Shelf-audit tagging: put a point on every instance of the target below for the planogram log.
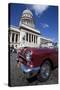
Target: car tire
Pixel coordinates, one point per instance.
(45, 71)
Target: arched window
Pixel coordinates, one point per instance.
(36, 39)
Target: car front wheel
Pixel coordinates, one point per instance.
(45, 71)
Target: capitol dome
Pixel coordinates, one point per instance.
(27, 11)
(27, 18)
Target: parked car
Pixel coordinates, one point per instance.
(37, 62)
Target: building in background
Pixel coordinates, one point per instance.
(26, 34)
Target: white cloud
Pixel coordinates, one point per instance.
(39, 9)
(45, 26)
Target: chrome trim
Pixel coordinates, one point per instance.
(26, 69)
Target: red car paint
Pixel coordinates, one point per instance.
(39, 55)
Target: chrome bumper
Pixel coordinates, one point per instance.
(29, 72)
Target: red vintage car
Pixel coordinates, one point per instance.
(37, 62)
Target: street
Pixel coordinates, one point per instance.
(17, 79)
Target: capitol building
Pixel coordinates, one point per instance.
(26, 35)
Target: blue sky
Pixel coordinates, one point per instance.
(45, 17)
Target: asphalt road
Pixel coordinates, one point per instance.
(17, 78)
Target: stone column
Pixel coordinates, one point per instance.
(35, 39)
(18, 38)
(25, 37)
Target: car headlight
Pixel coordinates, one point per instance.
(28, 55)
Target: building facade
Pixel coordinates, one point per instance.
(26, 35)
